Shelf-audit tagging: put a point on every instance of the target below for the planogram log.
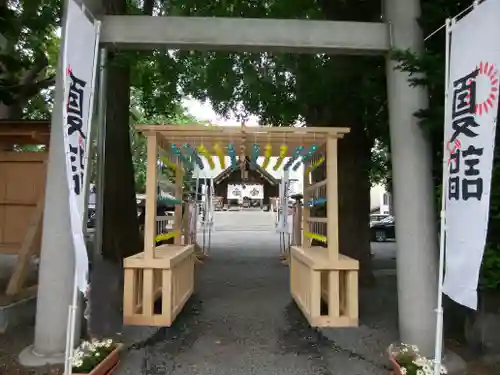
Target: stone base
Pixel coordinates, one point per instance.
(17, 313)
(29, 358)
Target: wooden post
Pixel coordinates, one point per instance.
(332, 211)
(186, 224)
(151, 197)
(178, 208)
(306, 212)
(297, 224)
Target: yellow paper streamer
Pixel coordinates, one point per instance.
(315, 165)
(283, 152)
(316, 236)
(166, 236)
(203, 151)
(169, 163)
(267, 154)
(220, 154)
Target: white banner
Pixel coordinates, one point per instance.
(469, 144)
(81, 37)
(240, 191)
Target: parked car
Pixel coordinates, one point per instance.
(383, 230)
(374, 218)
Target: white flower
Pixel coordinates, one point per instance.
(420, 372)
(427, 369)
(443, 370)
(403, 370)
(77, 363)
(420, 361)
(414, 348)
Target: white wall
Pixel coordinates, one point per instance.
(377, 199)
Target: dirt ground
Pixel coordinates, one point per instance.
(242, 322)
(11, 345)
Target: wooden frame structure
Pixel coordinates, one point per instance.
(22, 190)
(167, 271)
(321, 273)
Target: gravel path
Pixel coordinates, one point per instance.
(242, 319)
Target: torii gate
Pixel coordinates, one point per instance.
(410, 151)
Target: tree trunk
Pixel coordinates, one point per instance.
(354, 200)
(121, 228)
(353, 160)
(120, 224)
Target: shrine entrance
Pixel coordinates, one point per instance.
(316, 273)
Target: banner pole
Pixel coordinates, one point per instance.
(438, 353)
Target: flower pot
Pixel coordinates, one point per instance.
(106, 366)
(396, 369)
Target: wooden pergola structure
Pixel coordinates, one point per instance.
(316, 273)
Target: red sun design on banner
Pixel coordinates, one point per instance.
(487, 87)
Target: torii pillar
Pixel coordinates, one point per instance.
(413, 187)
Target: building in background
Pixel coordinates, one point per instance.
(380, 200)
(267, 179)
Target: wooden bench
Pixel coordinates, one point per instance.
(169, 275)
(315, 277)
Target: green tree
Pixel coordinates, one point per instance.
(318, 90)
(139, 143)
(429, 69)
(28, 59)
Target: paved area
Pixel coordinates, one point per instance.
(242, 319)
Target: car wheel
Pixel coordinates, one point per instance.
(380, 236)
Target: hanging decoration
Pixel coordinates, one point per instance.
(194, 156)
(185, 161)
(315, 165)
(296, 154)
(169, 163)
(232, 154)
(220, 154)
(315, 202)
(316, 236)
(267, 155)
(202, 150)
(168, 200)
(254, 156)
(279, 161)
(308, 155)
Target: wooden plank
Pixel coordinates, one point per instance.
(23, 157)
(148, 293)
(315, 293)
(129, 291)
(352, 295)
(151, 197)
(9, 248)
(306, 211)
(333, 294)
(179, 176)
(166, 297)
(317, 185)
(332, 208)
(238, 130)
(317, 220)
(26, 251)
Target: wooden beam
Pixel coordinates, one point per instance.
(18, 277)
(151, 197)
(332, 208)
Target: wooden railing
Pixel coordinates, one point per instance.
(169, 276)
(313, 279)
(318, 272)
